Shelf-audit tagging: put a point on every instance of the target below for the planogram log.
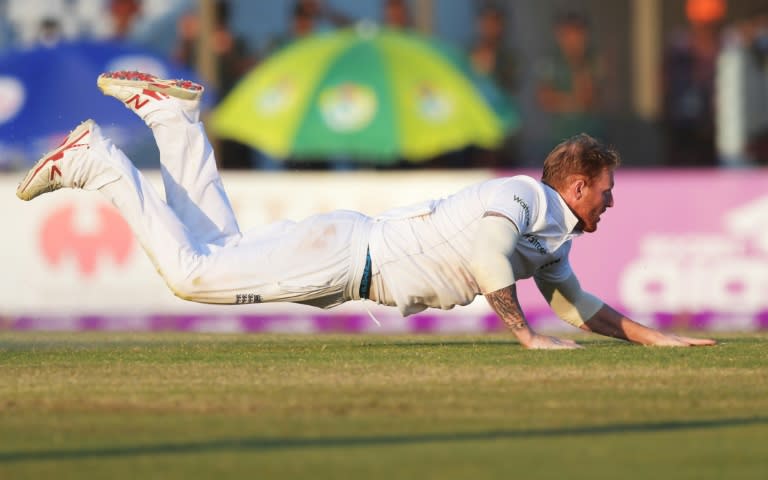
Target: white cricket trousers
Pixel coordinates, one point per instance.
(194, 241)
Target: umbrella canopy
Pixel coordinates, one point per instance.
(47, 91)
(375, 95)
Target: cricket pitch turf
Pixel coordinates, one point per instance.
(171, 405)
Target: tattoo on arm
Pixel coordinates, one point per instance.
(504, 303)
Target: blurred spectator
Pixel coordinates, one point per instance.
(307, 17)
(688, 86)
(140, 21)
(123, 15)
(493, 58)
(742, 92)
(49, 34)
(568, 81)
(757, 100)
(325, 17)
(150, 23)
(490, 54)
(233, 60)
(396, 14)
(302, 23)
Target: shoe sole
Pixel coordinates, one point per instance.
(74, 136)
(181, 89)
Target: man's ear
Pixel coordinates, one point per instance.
(577, 185)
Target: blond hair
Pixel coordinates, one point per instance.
(578, 155)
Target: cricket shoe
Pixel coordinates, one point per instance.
(68, 165)
(144, 93)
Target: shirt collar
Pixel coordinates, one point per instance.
(570, 220)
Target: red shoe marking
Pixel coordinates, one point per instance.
(160, 85)
(155, 95)
(55, 171)
(138, 102)
(55, 157)
(61, 144)
(127, 75)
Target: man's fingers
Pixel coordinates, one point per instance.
(678, 341)
(555, 346)
(569, 343)
(564, 346)
(699, 342)
(554, 343)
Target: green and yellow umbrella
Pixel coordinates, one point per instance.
(374, 95)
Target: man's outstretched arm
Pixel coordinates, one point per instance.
(587, 312)
(611, 323)
(494, 244)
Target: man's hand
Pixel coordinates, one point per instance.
(671, 340)
(545, 342)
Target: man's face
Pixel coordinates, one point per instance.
(572, 39)
(589, 200)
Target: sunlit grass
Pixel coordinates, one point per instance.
(195, 406)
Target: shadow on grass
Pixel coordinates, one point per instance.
(285, 443)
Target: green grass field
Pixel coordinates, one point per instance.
(96, 405)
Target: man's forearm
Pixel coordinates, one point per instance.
(504, 302)
(611, 323)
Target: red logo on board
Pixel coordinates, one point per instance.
(60, 238)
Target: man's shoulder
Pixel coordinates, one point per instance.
(508, 194)
(522, 184)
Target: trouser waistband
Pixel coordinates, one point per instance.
(358, 268)
(365, 281)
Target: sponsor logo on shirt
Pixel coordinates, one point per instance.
(525, 208)
(536, 244)
(549, 264)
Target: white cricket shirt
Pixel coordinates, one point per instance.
(421, 254)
